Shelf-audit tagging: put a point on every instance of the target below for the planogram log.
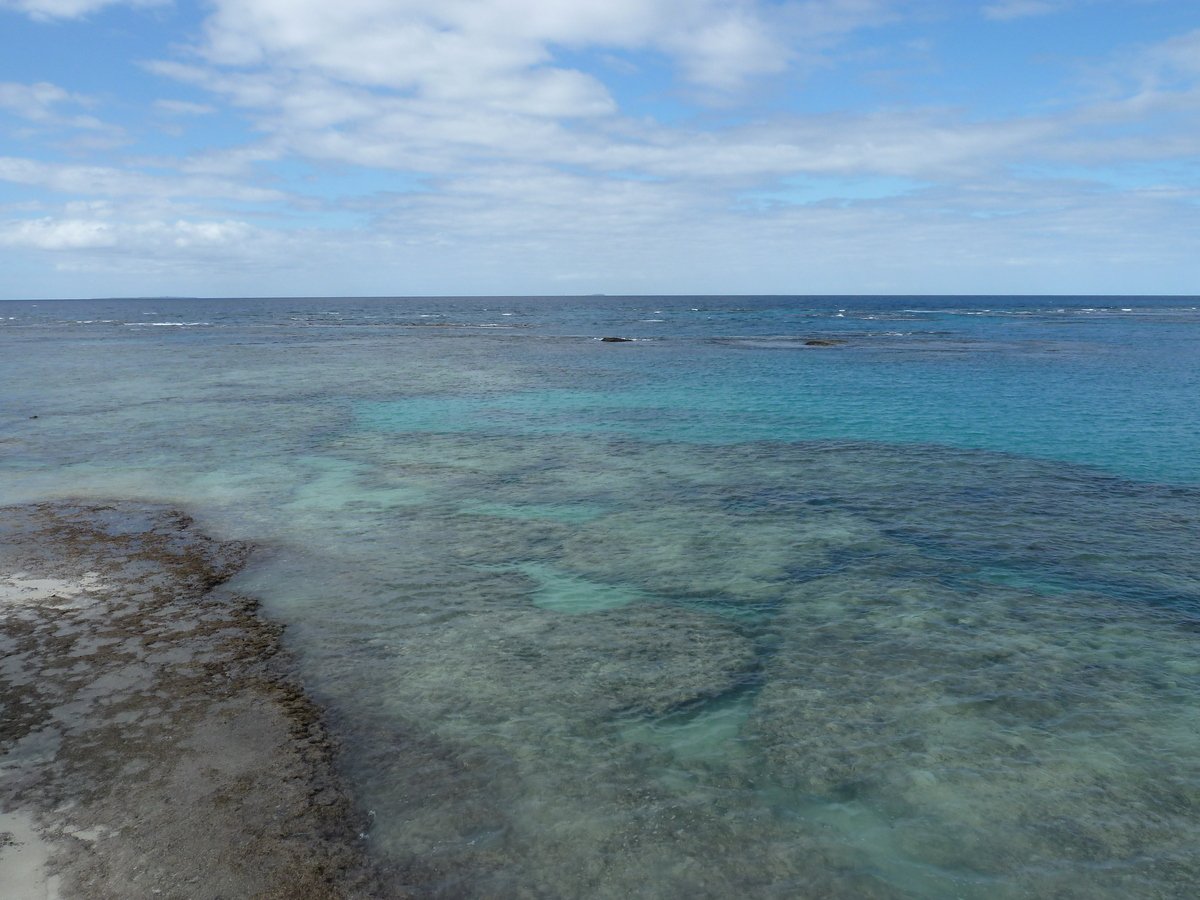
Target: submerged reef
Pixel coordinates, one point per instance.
(1033, 740)
(609, 668)
(828, 670)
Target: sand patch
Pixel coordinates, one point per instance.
(21, 588)
(24, 859)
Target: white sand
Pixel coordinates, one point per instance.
(23, 858)
(20, 588)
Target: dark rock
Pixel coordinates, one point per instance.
(616, 340)
(177, 731)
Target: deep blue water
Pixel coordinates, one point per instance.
(1111, 382)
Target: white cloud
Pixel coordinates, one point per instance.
(321, 120)
(47, 234)
(508, 179)
(448, 89)
(1182, 51)
(1019, 9)
(557, 228)
(1173, 58)
(491, 51)
(725, 52)
(38, 102)
(106, 181)
(142, 237)
(69, 9)
(1006, 10)
(183, 108)
(527, 171)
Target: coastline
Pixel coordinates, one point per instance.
(153, 743)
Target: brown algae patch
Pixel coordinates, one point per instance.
(151, 742)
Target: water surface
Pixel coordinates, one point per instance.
(821, 597)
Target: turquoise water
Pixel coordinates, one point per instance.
(908, 612)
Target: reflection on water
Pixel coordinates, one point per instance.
(578, 660)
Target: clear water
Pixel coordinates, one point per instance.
(713, 613)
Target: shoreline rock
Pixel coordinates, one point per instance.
(153, 743)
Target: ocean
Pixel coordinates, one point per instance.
(821, 597)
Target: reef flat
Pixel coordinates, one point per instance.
(152, 744)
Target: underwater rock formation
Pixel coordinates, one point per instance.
(1024, 737)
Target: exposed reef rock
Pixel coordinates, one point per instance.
(151, 743)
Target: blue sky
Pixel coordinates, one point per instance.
(401, 147)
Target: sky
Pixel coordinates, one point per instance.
(493, 147)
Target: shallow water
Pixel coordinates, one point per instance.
(714, 613)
